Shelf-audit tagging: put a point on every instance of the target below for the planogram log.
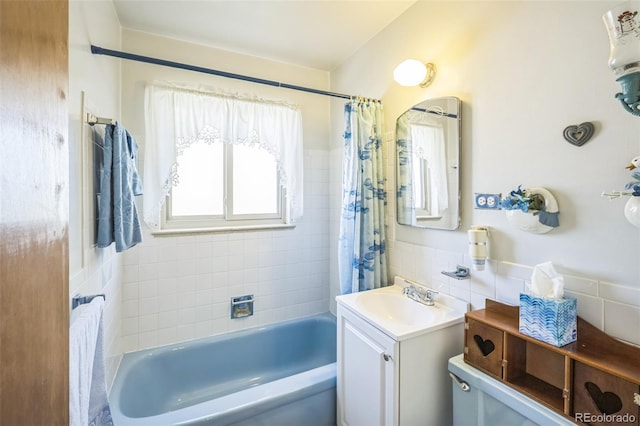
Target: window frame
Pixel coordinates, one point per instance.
(227, 220)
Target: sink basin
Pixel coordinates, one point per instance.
(400, 317)
(397, 308)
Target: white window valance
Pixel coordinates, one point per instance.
(176, 117)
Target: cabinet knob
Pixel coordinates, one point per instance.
(386, 357)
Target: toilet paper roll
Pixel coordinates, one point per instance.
(477, 236)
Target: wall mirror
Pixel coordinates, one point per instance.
(427, 164)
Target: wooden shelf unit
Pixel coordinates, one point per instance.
(595, 375)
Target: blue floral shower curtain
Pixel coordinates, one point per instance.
(362, 243)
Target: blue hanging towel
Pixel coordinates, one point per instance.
(119, 183)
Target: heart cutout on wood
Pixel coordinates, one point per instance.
(607, 402)
(580, 134)
(486, 346)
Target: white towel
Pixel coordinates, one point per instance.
(88, 403)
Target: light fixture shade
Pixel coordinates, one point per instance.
(623, 27)
(410, 73)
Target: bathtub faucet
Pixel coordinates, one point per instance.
(419, 293)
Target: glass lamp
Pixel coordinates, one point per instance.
(623, 26)
(413, 73)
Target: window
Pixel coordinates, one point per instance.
(218, 160)
(224, 185)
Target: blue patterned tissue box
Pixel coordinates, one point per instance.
(549, 320)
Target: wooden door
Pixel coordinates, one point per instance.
(34, 312)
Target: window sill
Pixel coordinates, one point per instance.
(220, 229)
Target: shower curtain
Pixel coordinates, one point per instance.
(362, 243)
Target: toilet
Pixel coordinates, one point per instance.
(482, 400)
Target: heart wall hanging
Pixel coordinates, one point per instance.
(580, 134)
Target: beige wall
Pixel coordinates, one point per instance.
(524, 71)
(92, 270)
(178, 288)
(315, 108)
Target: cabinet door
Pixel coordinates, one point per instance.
(483, 347)
(366, 374)
(601, 398)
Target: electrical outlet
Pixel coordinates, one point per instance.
(487, 201)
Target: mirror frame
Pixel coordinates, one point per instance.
(449, 110)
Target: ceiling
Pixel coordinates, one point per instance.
(319, 34)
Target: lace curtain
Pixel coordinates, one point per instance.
(404, 172)
(428, 144)
(416, 140)
(176, 117)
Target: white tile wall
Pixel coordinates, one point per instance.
(179, 288)
(101, 275)
(610, 307)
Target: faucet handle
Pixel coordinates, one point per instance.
(431, 293)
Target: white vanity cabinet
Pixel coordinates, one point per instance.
(388, 376)
(367, 373)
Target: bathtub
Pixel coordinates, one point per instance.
(280, 374)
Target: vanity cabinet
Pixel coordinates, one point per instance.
(383, 381)
(368, 373)
(594, 380)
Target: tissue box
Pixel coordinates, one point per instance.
(549, 320)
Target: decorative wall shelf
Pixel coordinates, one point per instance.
(594, 376)
(533, 220)
(527, 222)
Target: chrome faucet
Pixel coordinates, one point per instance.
(424, 296)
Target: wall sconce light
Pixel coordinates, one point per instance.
(623, 27)
(413, 73)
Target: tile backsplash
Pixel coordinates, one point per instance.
(179, 288)
(101, 275)
(613, 308)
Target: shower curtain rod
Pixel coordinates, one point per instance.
(139, 58)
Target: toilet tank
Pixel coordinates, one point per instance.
(486, 401)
